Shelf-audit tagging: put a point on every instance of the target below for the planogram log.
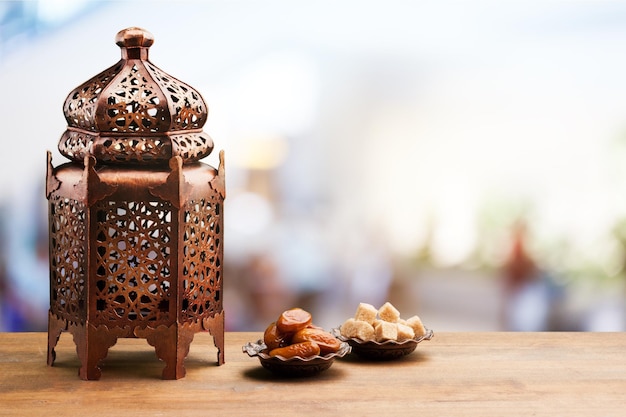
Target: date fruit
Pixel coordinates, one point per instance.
(303, 349)
(273, 338)
(326, 341)
(293, 320)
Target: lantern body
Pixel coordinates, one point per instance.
(135, 220)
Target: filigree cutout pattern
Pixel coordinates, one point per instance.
(76, 144)
(189, 108)
(202, 279)
(192, 147)
(133, 105)
(67, 258)
(134, 149)
(133, 261)
(80, 105)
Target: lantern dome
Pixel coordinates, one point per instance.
(134, 112)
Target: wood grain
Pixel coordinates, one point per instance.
(468, 374)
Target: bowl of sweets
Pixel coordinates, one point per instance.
(381, 334)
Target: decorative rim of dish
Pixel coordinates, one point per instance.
(337, 333)
(258, 349)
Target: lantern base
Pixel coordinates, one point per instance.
(171, 343)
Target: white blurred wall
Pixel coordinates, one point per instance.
(396, 121)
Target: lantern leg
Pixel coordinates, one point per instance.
(218, 341)
(55, 328)
(215, 326)
(171, 345)
(92, 346)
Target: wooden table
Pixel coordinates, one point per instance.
(469, 374)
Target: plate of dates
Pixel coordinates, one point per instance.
(296, 366)
(292, 345)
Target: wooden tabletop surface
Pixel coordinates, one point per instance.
(469, 374)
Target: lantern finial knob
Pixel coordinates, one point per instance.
(134, 37)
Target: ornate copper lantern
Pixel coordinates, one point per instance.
(135, 220)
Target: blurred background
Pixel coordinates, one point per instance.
(464, 160)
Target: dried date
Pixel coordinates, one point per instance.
(304, 350)
(326, 341)
(293, 320)
(274, 338)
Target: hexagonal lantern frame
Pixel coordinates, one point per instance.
(135, 220)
